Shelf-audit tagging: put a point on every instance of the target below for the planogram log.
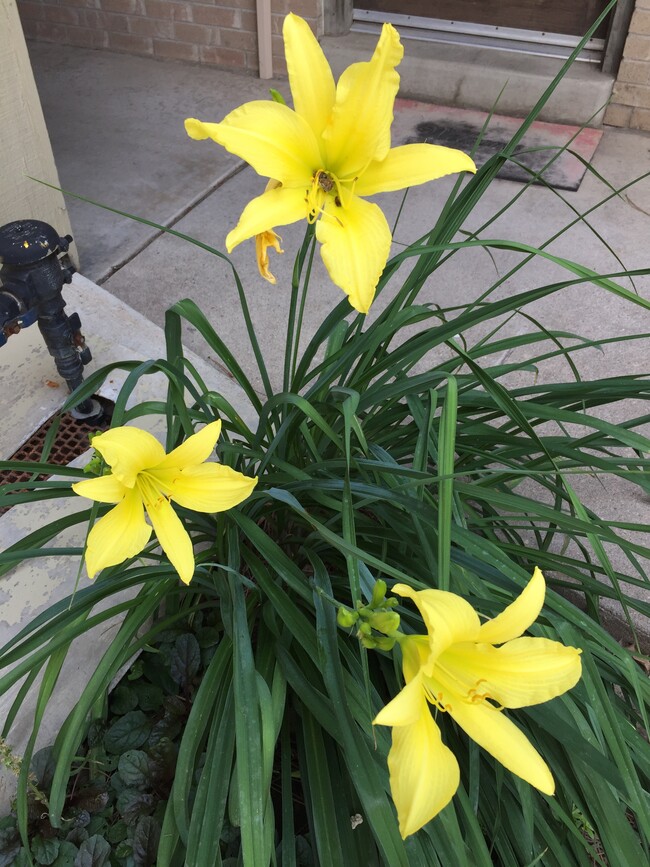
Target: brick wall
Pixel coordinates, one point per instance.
(213, 32)
(630, 104)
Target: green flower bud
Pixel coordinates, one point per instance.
(383, 642)
(94, 466)
(378, 593)
(346, 618)
(276, 96)
(384, 621)
(365, 630)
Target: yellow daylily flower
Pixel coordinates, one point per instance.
(144, 477)
(457, 669)
(326, 153)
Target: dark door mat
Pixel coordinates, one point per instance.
(460, 128)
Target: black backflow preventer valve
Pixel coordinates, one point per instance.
(32, 277)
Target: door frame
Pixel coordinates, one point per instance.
(338, 17)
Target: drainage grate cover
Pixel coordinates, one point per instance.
(71, 440)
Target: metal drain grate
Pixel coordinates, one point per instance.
(71, 440)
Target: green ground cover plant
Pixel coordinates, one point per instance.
(372, 472)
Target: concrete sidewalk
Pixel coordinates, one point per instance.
(116, 124)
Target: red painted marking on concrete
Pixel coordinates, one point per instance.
(583, 141)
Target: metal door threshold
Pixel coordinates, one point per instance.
(540, 43)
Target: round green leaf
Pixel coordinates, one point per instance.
(45, 850)
(185, 659)
(149, 696)
(128, 733)
(67, 855)
(145, 842)
(93, 852)
(135, 769)
(132, 804)
(123, 699)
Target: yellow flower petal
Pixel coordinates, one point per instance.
(415, 653)
(518, 616)
(424, 773)
(310, 77)
(359, 131)
(356, 243)
(448, 618)
(277, 142)
(407, 706)
(493, 731)
(120, 534)
(197, 448)
(410, 165)
(211, 488)
(276, 207)
(128, 451)
(262, 243)
(173, 537)
(198, 129)
(104, 489)
(523, 672)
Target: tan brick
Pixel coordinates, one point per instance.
(643, 4)
(31, 12)
(280, 70)
(129, 42)
(277, 22)
(238, 39)
(640, 23)
(640, 119)
(634, 72)
(631, 94)
(231, 58)
(216, 16)
(618, 115)
(199, 34)
(151, 27)
(82, 3)
(86, 37)
(49, 32)
(167, 9)
(175, 50)
(128, 7)
(238, 4)
(104, 20)
(637, 47)
(248, 20)
(30, 29)
(62, 14)
(304, 8)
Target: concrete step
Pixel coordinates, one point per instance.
(472, 77)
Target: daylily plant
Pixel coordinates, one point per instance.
(457, 669)
(325, 154)
(143, 477)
